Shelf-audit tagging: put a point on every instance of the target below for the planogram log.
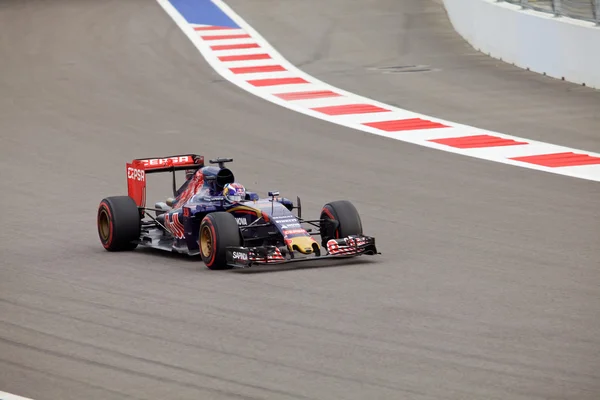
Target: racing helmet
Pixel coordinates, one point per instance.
(234, 192)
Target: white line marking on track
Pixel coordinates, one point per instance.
(286, 89)
(9, 396)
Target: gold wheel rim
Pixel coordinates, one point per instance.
(104, 225)
(206, 241)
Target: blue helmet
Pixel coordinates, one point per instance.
(234, 192)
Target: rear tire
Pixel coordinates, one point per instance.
(218, 230)
(345, 214)
(119, 223)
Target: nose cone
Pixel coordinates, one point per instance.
(304, 244)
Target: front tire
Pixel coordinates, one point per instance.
(119, 223)
(346, 221)
(218, 231)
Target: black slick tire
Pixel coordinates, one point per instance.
(344, 215)
(218, 231)
(119, 223)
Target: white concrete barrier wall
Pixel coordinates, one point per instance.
(562, 48)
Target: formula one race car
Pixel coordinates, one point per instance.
(212, 215)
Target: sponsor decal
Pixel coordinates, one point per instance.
(291, 226)
(238, 255)
(294, 231)
(178, 160)
(241, 221)
(285, 221)
(136, 174)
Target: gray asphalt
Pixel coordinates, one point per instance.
(488, 286)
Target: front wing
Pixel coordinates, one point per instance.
(351, 246)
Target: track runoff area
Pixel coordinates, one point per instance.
(242, 56)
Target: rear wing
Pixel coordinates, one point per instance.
(138, 168)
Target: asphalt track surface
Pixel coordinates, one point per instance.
(488, 286)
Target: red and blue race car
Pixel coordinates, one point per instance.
(229, 227)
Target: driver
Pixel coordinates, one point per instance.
(234, 192)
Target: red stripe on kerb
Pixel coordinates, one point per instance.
(235, 46)
(261, 68)
(405, 125)
(469, 142)
(307, 95)
(276, 81)
(568, 159)
(225, 37)
(211, 28)
(350, 109)
(245, 57)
